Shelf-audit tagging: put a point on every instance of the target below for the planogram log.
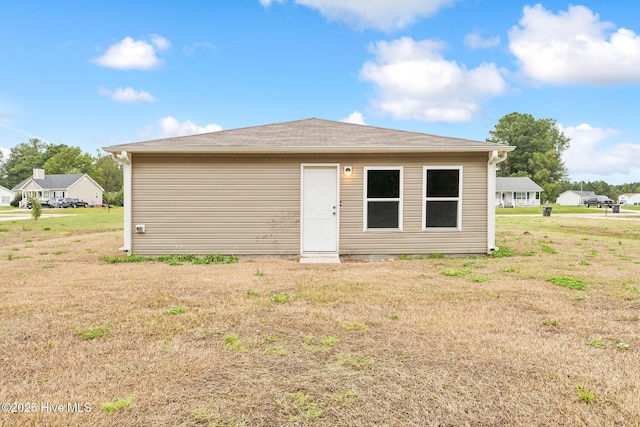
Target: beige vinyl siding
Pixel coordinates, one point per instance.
(226, 205)
(250, 205)
(412, 240)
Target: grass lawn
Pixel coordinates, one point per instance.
(548, 334)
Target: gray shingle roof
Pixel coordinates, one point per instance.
(308, 136)
(516, 183)
(53, 182)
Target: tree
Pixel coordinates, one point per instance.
(36, 208)
(23, 159)
(538, 155)
(109, 173)
(66, 160)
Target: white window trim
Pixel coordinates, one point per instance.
(365, 199)
(425, 199)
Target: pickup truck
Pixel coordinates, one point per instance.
(598, 201)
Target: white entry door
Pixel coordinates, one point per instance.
(319, 211)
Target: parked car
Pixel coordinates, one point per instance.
(78, 203)
(60, 202)
(43, 202)
(598, 201)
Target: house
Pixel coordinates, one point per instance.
(6, 196)
(573, 197)
(315, 188)
(516, 192)
(77, 185)
(629, 199)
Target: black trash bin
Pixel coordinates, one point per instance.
(616, 208)
(546, 211)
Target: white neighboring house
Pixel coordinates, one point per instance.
(77, 185)
(629, 199)
(6, 196)
(573, 197)
(517, 191)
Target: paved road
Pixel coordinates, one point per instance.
(21, 214)
(599, 214)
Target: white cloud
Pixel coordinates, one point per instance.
(160, 42)
(574, 47)
(6, 153)
(190, 50)
(169, 127)
(385, 15)
(127, 94)
(356, 118)
(476, 40)
(589, 155)
(131, 54)
(267, 3)
(414, 81)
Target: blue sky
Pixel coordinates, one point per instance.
(92, 74)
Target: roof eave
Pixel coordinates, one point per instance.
(306, 150)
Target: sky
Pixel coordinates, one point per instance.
(92, 74)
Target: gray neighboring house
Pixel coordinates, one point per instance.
(312, 188)
(78, 185)
(573, 197)
(516, 192)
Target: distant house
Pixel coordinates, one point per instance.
(77, 185)
(573, 197)
(314, 188)
(629, 199)
(6, 196)
(515, 192)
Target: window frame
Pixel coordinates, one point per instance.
(366, 199)
(426, 199)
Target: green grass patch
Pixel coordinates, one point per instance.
(280, 298)
(354, 326)
(112, 407)
(586, 395)
(301, 405)
(92, 333)
(173, 259)
(455, 273)
(329, 341)
(478, 279)
(232, 342)
(502, 252)
(355, 361)
(175, 310)
(597, 343)
(548, 249)
(568, 282)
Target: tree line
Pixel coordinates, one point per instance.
(61, 159)
(540, 144)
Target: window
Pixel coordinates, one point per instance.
(383, 198)
(442, 207)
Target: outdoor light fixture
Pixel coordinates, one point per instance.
(348, 170)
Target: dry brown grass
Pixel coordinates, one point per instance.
(378, 343)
